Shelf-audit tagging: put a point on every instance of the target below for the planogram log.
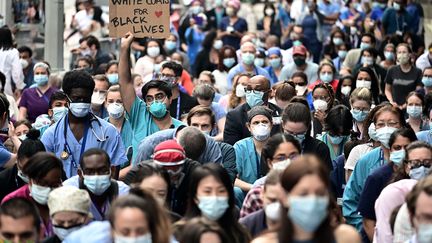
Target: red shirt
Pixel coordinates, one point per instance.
(22, 192)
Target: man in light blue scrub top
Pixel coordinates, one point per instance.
(148, 116)
(81, 130)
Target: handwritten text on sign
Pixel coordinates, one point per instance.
(144, 18)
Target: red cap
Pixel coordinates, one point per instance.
(299, 50)
(169, 153)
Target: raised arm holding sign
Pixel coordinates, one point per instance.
(143, 18)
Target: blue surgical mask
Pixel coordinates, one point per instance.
(79, 109)
(113, 78)
(364, 45)
(342, 54)
(414, 111)
(40, 193)
(158, 109)
(367, 60)
(336, 139)
(326, 77)
(248, 58)
(427, 81)
(259, 62)
(300, 137)
(275, 63)
(229, 62)
(23, 176)
(372, 132)
(213, 207)
(146, 238)
(59, 113)
(389, 55)
(383, 135)
(424, 233)
(419, 173)
(170, 45)
(97, 184)
(41, 79)
(253, 99)
(397, 156)
(359, 115)
(308, 212)
(337, 41)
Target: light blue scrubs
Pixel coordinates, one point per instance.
(247, 160)
(351, 197)
(142, 123)
(326, 140)
(239, 68)
(123, 189)
(106, 138)
(425, 136)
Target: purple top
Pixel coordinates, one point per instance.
(36, 102)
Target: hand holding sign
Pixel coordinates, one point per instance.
(143, 18)
(126, 41)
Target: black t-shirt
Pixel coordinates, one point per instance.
(186, 104)
(403, 83)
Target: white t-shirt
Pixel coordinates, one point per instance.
(356, 153)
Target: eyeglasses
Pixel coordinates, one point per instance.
(159, 97)
(284, 157)
(248, 91)
(416, 163)
(383, 124)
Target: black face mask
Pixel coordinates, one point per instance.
(299, 61)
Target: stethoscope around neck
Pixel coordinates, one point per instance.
(66, 149)
(92, 119)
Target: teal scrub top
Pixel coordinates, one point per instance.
(333, 155)
(142, 123)
(351, 197)
(126, 133)
(247, 160)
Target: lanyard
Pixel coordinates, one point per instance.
(381, 159)
(74, 162)
(257, 161)
(178, 107)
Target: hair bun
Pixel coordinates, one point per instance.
(33, 134)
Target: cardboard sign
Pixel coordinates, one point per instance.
(144, 18)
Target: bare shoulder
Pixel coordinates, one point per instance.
(346, 234)
(270, 237)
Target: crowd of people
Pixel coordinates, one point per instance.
(317, 127)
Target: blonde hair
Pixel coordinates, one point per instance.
(361, 94)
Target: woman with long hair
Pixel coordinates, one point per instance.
(211, 195)
(307, 214)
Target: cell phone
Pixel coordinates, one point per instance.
(198, 20)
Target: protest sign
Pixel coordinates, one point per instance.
(144, 18)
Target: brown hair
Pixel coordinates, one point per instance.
(284, 91)
(300, 167)
(393, 110)
(201, 110)
(234, 101)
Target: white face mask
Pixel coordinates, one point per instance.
(98, 98)
(345, 90)
(363, 84)
(24, 63)
(300, 90)
(115, 110)
(240, 91)
(281, 165)
(40, 193)
(320, 105)
(261, 131)
(146, 238)
(272, 211)
(153, 51)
